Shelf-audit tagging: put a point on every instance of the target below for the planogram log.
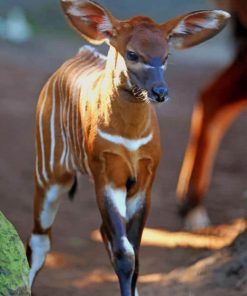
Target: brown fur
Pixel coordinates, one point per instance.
(90, 94)
(219, 104)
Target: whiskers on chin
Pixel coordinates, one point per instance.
(140, 93)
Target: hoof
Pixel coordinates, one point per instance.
(197, 219)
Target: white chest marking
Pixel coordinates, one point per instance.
(129, 144)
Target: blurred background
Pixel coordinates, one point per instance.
(34, 40)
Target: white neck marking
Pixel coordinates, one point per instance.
(129, 144)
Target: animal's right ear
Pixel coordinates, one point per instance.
(90, 19)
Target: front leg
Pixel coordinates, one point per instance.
(124, 210)
(110, 183)
(138, 205)
(134, 224)
(136, 208)
(123, 199)
(113, 230)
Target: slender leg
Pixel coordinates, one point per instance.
(123, 245)
(123, 212)
(114, 233)
(137, 213)
(46, 204)
(216, 109)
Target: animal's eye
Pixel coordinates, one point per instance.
(132, 56)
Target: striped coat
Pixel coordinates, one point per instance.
(95, 116)
(63, 102)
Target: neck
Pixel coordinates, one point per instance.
(116, 76)
(126, 113)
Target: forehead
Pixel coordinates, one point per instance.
(148, 40)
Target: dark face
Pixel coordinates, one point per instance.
(146, 56)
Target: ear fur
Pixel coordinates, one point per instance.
(195, 27)
(90, 19)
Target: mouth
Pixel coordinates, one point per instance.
(143, 95)
(159, 99)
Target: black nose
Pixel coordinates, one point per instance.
(160, 92)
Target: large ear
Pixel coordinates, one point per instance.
(90, 19)
(195, 27)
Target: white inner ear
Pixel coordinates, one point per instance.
(74, 10)
(210, 22)
(105, 25)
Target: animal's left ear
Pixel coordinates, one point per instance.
(195, 27)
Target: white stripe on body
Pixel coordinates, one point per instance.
(85, 161)
(87, 63)
(52, 126)
(83, 85)
(37, 173)
(71, 107)
(129, 144)
(78, 129)
(75, 105)
(65, 101)
(67, 134)
(72, 159)
(67, 108)
(90, 49)
(76, 73)
(75, 98)
(44, 173)
(62, 102)
(40, 246)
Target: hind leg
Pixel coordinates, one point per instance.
(46, 203)
(218, 106)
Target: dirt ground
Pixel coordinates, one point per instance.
(172, 262)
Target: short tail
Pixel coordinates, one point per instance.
(73, 189)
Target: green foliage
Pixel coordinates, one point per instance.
(14, 267)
